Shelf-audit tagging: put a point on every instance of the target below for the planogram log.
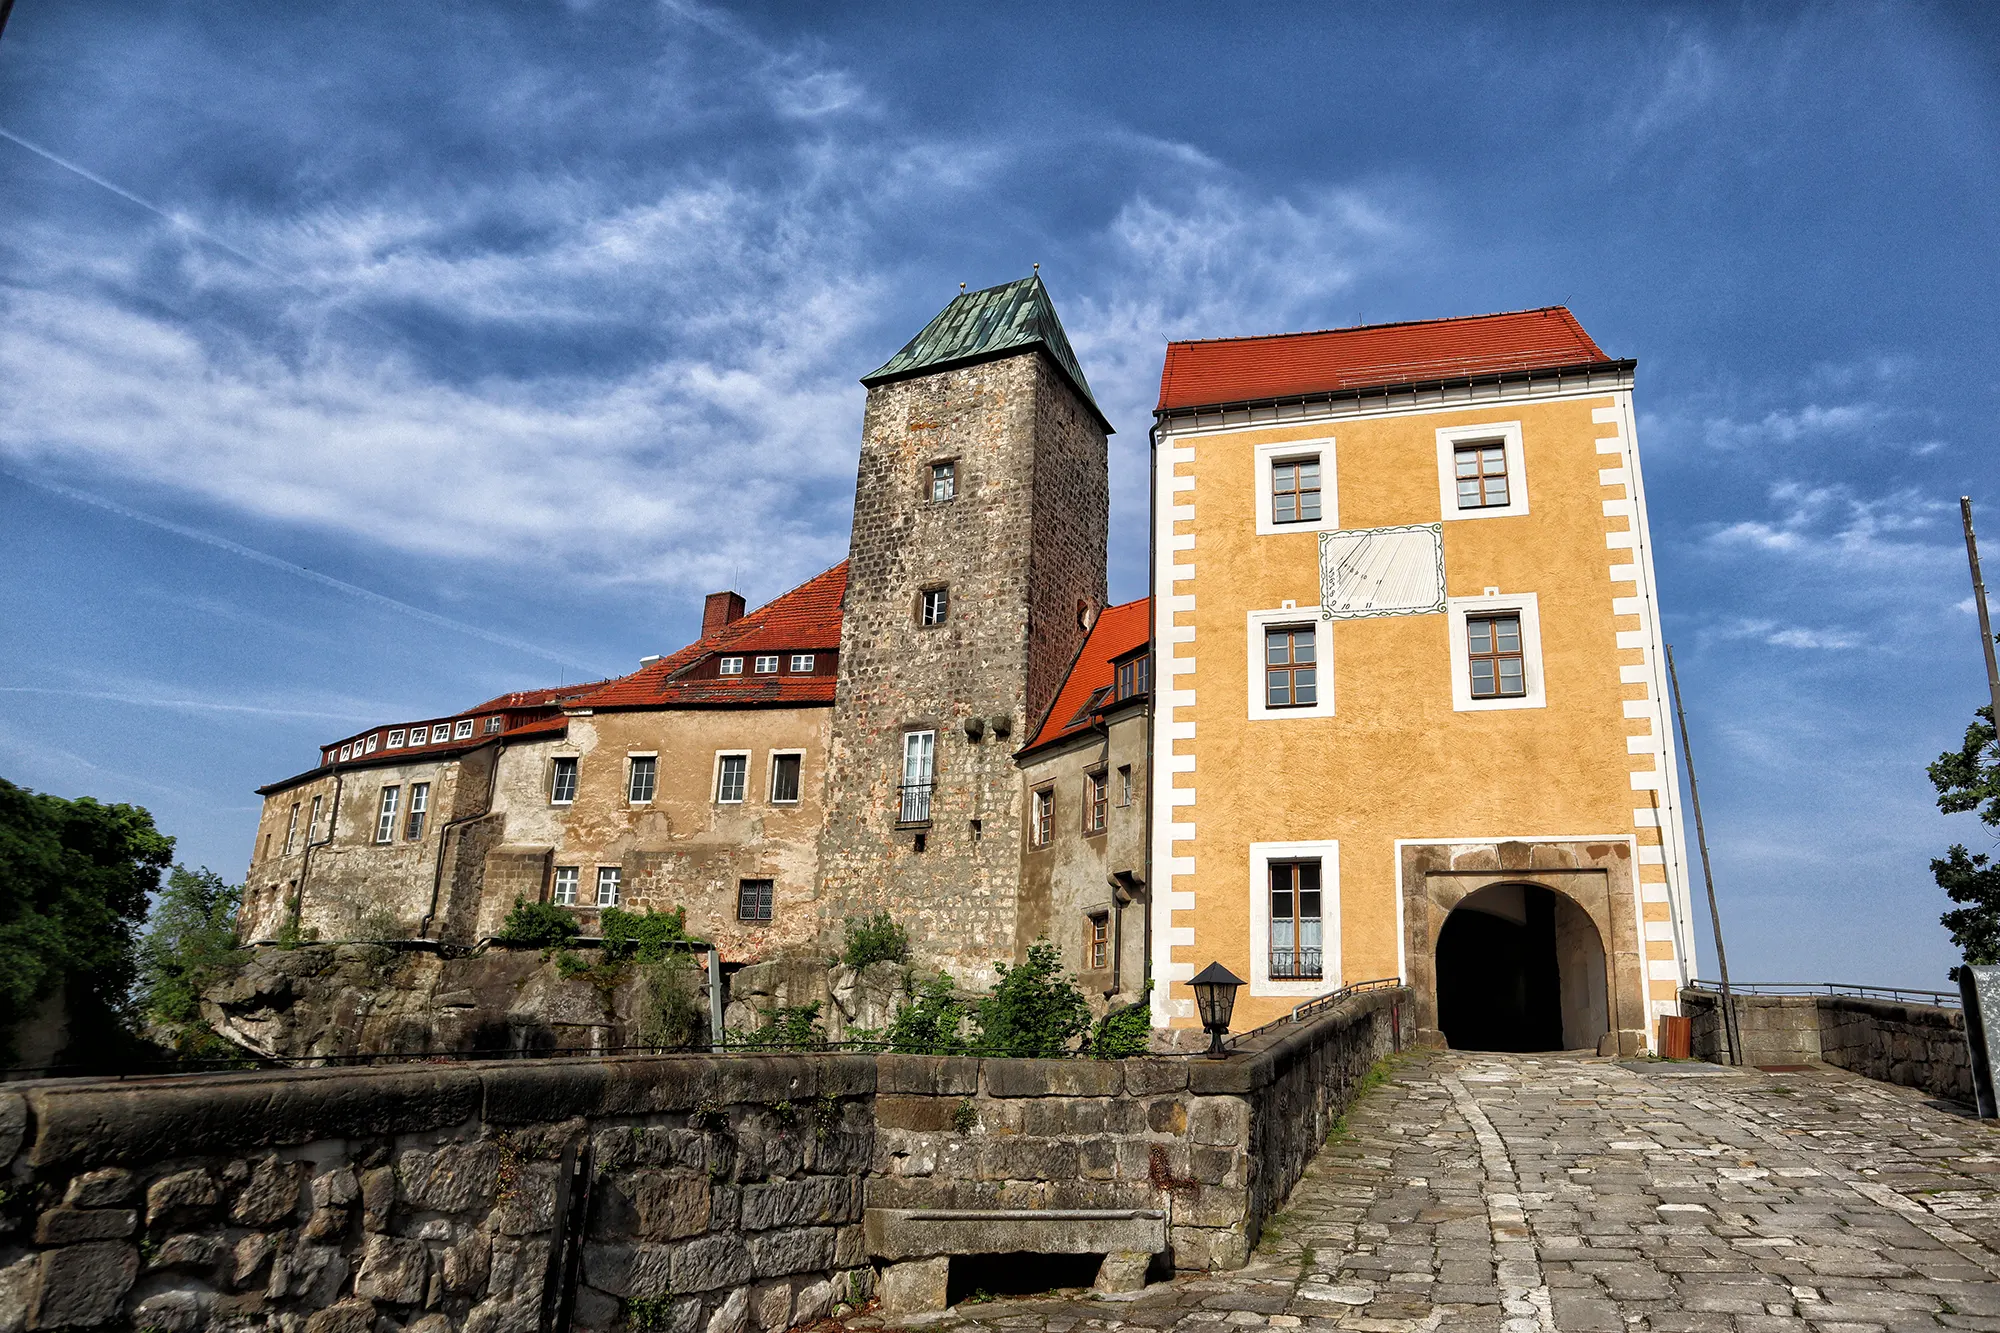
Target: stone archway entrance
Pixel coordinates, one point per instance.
(1520, 968)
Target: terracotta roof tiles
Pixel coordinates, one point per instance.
(1119, 629)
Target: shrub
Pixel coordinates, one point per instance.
(1034, 1010)
(649, 937)
(379, 924)
(673, 1008)
(875, 939)
(1125, 1030)
(791, 1028)
(570, 964)
(932, 1022)
(542, 925)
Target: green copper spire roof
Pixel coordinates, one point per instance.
(978, 326)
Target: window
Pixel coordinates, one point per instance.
(374, 741)
(396, 739)
(494, 723)
(753, 900)
(1042, 818)
(562, 781)
(785, 778)
(802, 661)
(608, 879)
(420, 804)
(639, 786)
(729, 666)
(1295, 920)
(732, 772)
(919, 761)
(1481, 471)
(1100, 941)
(385, 820)
(936, 602)
(944, 480)
(1496, 652)
(312, 820)
(1493, 656)
(1295, 490)
(346, 750)
(1097, 799)
(1125, 784)
(564, 892)
(292, 828)
(767, 664)
(1291, 677)
(464, 728)
(418, 735)
(267, 848)
(440, 732)
(1135, 677)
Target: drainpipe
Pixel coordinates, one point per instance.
(1152, 675)
(452, 826)
(305, 865)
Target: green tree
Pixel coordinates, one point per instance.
(932, 1023)
(74, 879)
(875, 939)
(1034, 1009)
(1968, 779)
(190, 943)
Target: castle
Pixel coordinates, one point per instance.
(952, 725)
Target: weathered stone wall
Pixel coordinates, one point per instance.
(1019, 545)
(715, 1194)
(1915, 1045)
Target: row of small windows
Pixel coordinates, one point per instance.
(435, 733)
(1495, 661)
(764, 664)
(732, 778)
(1098, 790)
(753, 896)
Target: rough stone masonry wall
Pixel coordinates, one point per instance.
(713, 1194)
(1915, 1045)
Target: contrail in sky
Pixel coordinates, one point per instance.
(197, 705)
(300, 571)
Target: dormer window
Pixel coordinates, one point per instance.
(494, 723)
(767, 664)
(396, 738)
(1135, 676)
(346, 750)
(373, 741)
(729, 666)
(464, 731)
(802, 661)
(440, 732)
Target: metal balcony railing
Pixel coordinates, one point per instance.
(1295, 964)
(916, 803)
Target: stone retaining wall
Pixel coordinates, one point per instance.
(1915, 1045)
(683, 1193)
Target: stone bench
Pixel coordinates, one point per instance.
(915, 1245)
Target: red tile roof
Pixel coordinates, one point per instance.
(804, 620)
(1118, 631)
(1291, 365)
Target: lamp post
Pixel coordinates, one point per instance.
(1215, 996)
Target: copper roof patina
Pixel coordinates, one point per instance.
(982, 325)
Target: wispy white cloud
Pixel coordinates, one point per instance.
(1779, 635)
(1835, 528)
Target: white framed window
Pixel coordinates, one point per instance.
(1042, 818)
(1482, 680)
(640, 778)
(753, 900)
(396, 739)
(291, 828)
(785, 769)
(440, 732)
(564, 890)
(385, 817)
(418, 735)
(1294, 917)
(312, 820)
(374, 741)
(464, 729)
(729, 666)
(935, 605)
(1297, 481)
(802, 661)
(732, 776)
(494, 723)
(1498, 471)
(562, 780)
(609, 880)
(919, 774)
(944, 480)
(346, 750)
(1125, 784)
(767, 664)
(420, 804)
(1307, 640)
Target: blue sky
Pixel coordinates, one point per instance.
(365, 361)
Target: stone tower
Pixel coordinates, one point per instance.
(977, 561)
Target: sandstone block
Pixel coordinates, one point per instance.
(97, 1189)
(345, 1317)
(1219, 1121)
(914, 1286)
(188, 1249)
(1122, 1272)
(1167, 1115)
(83, 1285)
(378, 1197)
(1060, 1078)
(593, 1309)
(667, 1207)
(335, 1189)
(733, 1315)
(270, 1196)
(465, 1265)
(771, 1306)
(779, 1253)
(609, 1268)
(648, 1273)
(530, 1205)
(312, 1273)
(184, 1192)
(1144, 1077)
(791, 1203)
(13, 1125)
(392, 1270)
(17, 1285)
(71, 1226)
(174, 1311)
(711, 1262)
(521, 1314)
(812, 1301)
(449, 1180)
(249, 1256)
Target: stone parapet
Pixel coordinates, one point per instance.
(1914, 1045)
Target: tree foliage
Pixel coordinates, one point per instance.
(190, 941)
(1968, 779)
(542, 925)
(1126, 1030)
(1034, 1010)
(933, 1023)
(648, 937)
(74, 879)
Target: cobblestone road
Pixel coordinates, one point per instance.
(1528, 1193)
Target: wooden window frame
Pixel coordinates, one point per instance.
(1291, 666)
(1479, 449)
(945, 470)
(1495, 655)
(763, 907)
(722, 758)
(1293, 868)
(925, 605)
(419, 811)
(616, 879)
(635, 764)
(557, 764)
(798, 757)
(1097, 943)
(386, 810)
(1297, 492)
(556, 884)
(1042, 817)
(1096, 802)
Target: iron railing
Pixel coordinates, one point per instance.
(1941, 998)
(916, 803)
(1295, 964)
(1319, 1004)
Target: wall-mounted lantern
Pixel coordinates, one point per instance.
(1215, 997)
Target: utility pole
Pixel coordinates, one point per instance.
(1979, 605)
(6, 8)
(1730, 1032)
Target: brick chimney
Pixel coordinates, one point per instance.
(720, 609)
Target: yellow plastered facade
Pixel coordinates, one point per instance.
(1396, 763)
